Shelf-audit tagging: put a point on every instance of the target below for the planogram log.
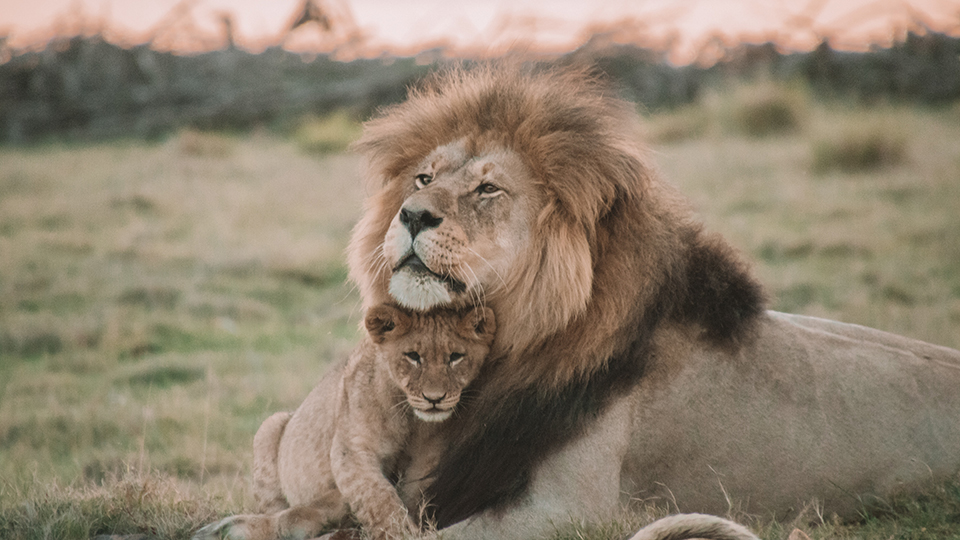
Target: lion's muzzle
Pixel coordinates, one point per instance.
(416, 220)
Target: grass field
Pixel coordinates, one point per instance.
(158, 301)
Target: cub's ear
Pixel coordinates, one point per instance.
(386, 321)
(478, 323)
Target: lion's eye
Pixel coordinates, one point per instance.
(455, 357)
(422, 180)
(487, 190)
(413, 357)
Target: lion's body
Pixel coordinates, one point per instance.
(813, 414)
(378, 415)
(635, 357)
(812, 409)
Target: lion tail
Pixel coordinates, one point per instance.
(687, 526)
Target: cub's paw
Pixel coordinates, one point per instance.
(243, 527)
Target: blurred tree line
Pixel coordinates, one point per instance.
(87, 88)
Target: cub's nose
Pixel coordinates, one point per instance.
(418, 220)
(433, 398)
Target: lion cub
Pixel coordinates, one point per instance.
(422, 362)
(359, 425)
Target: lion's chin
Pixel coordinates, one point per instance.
(434, 415)
(418, 291)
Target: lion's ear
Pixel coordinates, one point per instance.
(478, 322)
(385, 321)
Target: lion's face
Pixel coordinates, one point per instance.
(432, 357)
(461, 229)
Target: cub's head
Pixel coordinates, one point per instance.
(431, 356)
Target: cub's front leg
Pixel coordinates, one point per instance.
(297, 523)
(373, 500)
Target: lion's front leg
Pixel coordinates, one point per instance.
(297, 523)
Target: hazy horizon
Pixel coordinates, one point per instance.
(375, 26)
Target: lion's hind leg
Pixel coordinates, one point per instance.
(266, 472)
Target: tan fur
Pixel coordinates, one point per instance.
(413, 367)
(689, 526)
(329, 459)
(583, 243)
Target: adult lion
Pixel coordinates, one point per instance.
(634, 357)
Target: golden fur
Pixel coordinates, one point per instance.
(572, 184)
(601, 164)
(630, 339)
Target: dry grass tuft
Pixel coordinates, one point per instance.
(690, 122)
(766, 110)
(149, 504)
(856, 152)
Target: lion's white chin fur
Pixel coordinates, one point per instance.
(437, 416)
(418, 291)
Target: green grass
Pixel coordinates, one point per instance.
(158, 301)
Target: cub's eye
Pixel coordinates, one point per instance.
(413, 357)
(455, 357)
(422, 180)
(488, 190)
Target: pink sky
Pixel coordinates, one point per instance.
(494, 25)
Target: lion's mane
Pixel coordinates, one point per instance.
(617, 253)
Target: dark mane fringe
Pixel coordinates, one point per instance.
(719, 294)
(489, 466)
(491, 461)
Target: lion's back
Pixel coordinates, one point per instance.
(810, 409)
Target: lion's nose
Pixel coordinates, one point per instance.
(418, 220)
(433, 399)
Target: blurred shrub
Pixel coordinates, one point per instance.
(858, 151)
(766, 111)
(753, 108)
(327, 135)
(30, 342)
(690, 122)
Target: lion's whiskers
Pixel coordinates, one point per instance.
(400, 408)
(380, 258)
(478, 292)
(502, 282)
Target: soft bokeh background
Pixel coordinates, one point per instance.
(174, 210)
(488, 26)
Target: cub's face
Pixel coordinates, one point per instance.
(431, 356)
(463, 226)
